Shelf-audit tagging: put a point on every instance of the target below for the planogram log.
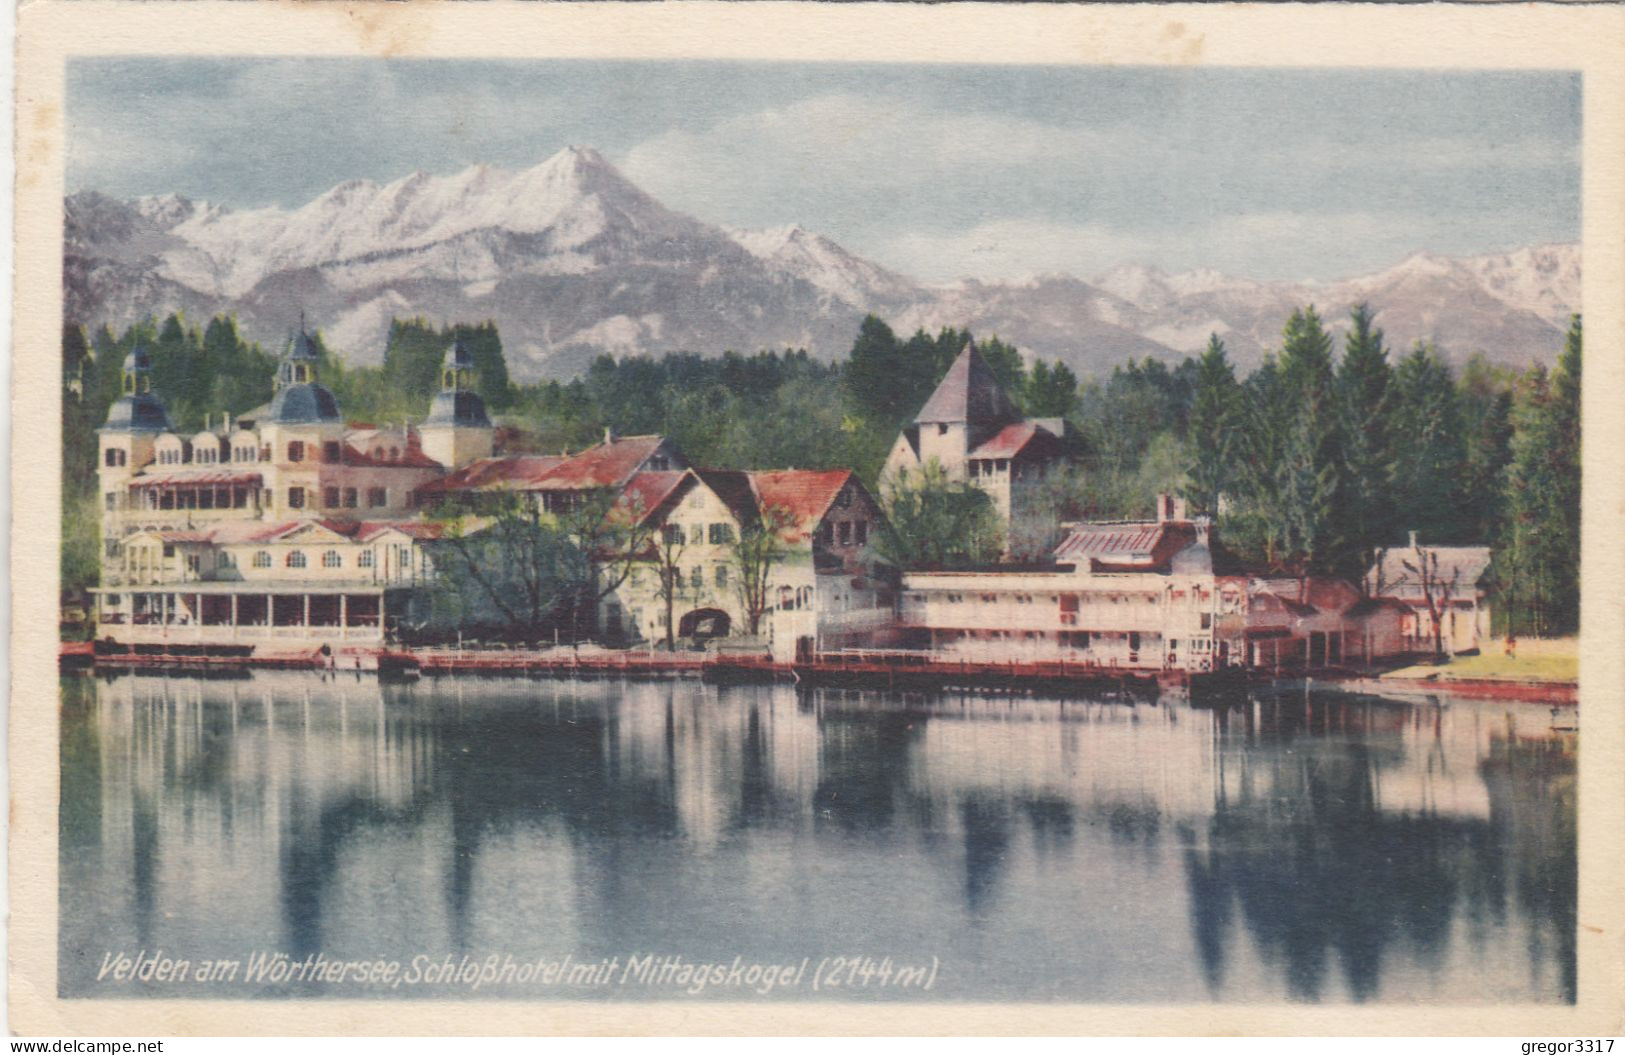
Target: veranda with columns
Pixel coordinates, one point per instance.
(224, 613)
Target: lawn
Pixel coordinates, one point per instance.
(1555, 660)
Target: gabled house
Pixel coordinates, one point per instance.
(1447, 585)
(818, 586)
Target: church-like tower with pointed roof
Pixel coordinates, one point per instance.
(973, 430)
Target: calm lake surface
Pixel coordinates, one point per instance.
(1290, 847)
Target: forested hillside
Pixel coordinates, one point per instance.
(1312, 462)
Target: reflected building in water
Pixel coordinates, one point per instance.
(1286, 848)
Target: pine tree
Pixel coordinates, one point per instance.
(1364, 505)
(870, 378)
(1052, 391)
(1005, 360)
(78, 421)
(1213, 429)
(1539, 558)
(1428, 452)
(1308, 473)
(1521, 550)
(1257, 521)
(1484, 396)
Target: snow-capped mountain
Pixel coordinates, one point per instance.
(571, 259)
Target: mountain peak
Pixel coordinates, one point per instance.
(568, 257)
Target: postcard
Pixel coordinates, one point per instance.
(817, 519)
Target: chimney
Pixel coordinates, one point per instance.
(1169, 508)
(609, 434)
(1413, 541)
(1203, 524)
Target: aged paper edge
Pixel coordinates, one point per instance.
(1587, 39)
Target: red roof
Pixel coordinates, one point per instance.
(492, 474)
(1011, 440)
(609, 464)
(229, 532)
(193, 477)
(804, 494)
(1110, 540)
(418, 529)
(411, 457)
(185, 536)
(645, 493)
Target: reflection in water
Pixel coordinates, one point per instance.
(1283, 848)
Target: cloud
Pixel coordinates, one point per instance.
(940, 192)
(859, 149)
(937, 171)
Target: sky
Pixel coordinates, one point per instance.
(937, 171)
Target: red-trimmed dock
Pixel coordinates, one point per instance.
(899, 669)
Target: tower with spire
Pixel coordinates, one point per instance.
(973, 429)
(458, 430)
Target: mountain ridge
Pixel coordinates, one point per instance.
(571, 259)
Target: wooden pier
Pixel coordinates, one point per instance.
(903, 670)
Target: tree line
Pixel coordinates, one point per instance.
(1312, 462)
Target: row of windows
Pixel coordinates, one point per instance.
(192, 498)
(330, 559)
(340, 498)
(714, 534)
(845, 532)
(1068, 601)
(332, 452)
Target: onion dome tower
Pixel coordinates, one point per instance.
(126, 441)
(137, 409)
(299, 399)
(458, 430)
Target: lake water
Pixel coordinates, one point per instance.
(597, 840)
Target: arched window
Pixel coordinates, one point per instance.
(262, 559)
(295, 558)
(364, 559)
(394, 454)
(332, 559)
